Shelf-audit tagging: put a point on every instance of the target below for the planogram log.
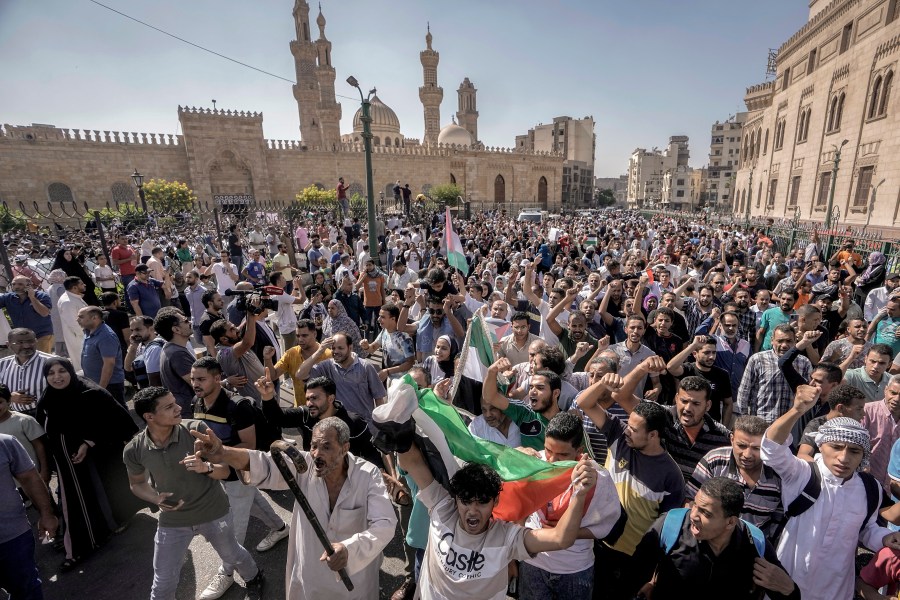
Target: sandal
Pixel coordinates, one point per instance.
(69, 564)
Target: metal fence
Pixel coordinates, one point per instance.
(794, 234)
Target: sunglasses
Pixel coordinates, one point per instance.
(435, 311)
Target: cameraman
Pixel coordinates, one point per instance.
(285, 316)
(234, 351)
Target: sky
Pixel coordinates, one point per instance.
(644, 69)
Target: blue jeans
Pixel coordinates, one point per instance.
(18, 572)
(538, 584)
(171, 544)
(246, 500)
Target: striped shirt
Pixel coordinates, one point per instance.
(687, 453)
(762, 502)
(24, 378)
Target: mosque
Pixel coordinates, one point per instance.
(225, 158)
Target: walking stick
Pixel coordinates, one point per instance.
(281, 449)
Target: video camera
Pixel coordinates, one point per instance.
(259, 292)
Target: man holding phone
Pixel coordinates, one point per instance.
(22, 372)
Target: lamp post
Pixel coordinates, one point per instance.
(138, 180)
(828, 212)
(381, 194)
(872, 204)
(749, 198)
(367, 144)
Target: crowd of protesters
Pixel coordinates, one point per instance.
(732, 409)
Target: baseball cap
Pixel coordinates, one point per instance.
(21, 258)
(889, 275)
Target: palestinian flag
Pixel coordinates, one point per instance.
(477, 352)
(456, 257)
(529, 483)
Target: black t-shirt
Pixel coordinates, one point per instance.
(117, 321)
(174, 362)
(719, 381)
(234, 245)
(206, 322)
(227, 416)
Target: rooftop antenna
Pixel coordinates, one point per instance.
(214, 104)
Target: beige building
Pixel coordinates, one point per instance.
(831, 98)
(724, 156)
(222, 154)
(699, 188)
(618, 185)
(576, 141)
(647, 171)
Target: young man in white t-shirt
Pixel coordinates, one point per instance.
(469, 552)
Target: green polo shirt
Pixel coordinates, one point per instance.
(532, 425)
(204, 498)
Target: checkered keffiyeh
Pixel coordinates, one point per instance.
(848, 431)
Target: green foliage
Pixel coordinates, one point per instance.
(605, 198)
(446, 193)
(126, 213)
(313, 195)
(12, 220)
(169, 197)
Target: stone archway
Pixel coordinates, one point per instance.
(542, 192)
(230, 180)
(499, 190)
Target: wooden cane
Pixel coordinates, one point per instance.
(281, 449)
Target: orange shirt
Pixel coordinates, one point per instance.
(289, 363)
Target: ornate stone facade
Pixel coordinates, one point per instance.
(833, 86)
(224, 152)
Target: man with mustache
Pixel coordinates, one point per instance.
(575, 334)
(346, 493)
(741, 462)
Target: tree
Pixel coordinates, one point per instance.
(12, 220)
(605, 198)
(312, 194)
(169, 197)
(446, 193)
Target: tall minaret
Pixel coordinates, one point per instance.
(329, 110)
(306, 90)
(430, 94)
(467, 115)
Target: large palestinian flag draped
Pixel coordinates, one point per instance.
(529, 482)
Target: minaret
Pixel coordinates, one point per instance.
(467, 115)
(306, 90)
(430, 94)
(329, 110)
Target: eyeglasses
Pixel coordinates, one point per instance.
(435, 311)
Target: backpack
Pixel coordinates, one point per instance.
(675, 519)
(139, 367)
(810, 493)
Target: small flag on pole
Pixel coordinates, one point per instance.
(455, 255)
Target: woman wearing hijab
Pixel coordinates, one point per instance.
(86, 433)
(337, 321)
(651, 303)
(67, 260)
(442, 364)
(872, 277)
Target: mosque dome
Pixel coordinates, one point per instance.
(384, 119)
(454, 134)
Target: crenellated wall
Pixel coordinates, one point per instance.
(225, 152)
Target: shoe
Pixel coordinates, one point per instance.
(254, 587)
(406, 590)
(69, 564)
(217, 587)
(273, 537)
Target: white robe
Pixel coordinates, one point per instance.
(363, 520)
(69, 304)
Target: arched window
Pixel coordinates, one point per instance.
(800, 126)
(387, 141)
(832, 113)
(397, 142)
(885, 93)
(758, 140)
(376, 141)
(766, 143)
(542, 191)
(122, 193)
(60, 192)
(452, 179)
(499, 189)
(873, 103)
(840, 112)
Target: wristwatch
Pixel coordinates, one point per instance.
(209, 468)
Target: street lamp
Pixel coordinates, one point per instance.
(749, 198)
(367, 144)
(138, 180)
(381, 195)
(828, 211)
